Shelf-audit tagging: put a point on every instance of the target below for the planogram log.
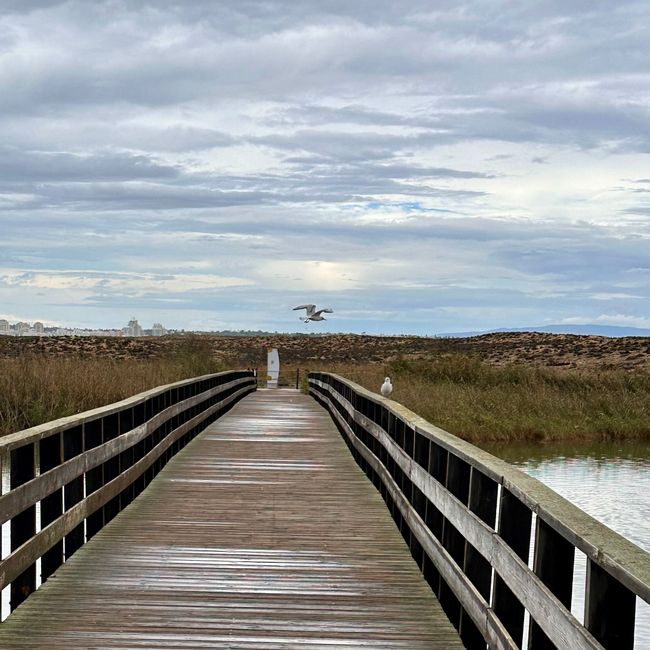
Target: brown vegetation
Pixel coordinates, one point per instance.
(492, 387)
(36, 388)
(499, 403)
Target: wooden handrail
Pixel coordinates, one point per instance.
(443, 493)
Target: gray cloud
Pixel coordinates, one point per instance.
(38, 166)
(384, 156)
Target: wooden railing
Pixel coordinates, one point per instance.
(81, 471)
(467, 517)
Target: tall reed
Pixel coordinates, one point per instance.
(36, 389)
(481, 402)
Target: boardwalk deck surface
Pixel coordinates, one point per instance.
(261, 533)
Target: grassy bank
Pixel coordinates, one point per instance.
(482, 402)
(458, 391)
(36, 389)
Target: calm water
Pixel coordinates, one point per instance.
(609, 481)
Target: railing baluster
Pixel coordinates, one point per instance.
(126, 457)
(111, 466)
(94, 476)
(483, 492)
(553, 563)
(23, 525)
(457, 482)
(73, 492)
(609, 609)
(514, 528)
(51, 455)
(433, 517)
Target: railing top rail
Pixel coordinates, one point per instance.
(626, 561)
(26, 436)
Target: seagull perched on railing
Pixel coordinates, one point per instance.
(312, 314)
(386, 388)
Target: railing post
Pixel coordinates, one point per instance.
(50, 456)
(514, 528)
(111, 466)
(73, 492)
(609, 609)
(23, 525)
(457, 483)
(553, 563)
(94, 476)
(483, 492)
(126, 457)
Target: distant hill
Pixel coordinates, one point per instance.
(613, 331)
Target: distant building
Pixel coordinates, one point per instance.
(158, 330)
(4, 326)
(22, 328)
(39, 328)
(134, 328)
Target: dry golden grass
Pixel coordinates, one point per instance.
(483, 403)
(36, 389)
(492, 388)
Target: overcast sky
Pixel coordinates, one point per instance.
(418, 166)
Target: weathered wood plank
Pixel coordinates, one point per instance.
(261, 532)
(23, 556)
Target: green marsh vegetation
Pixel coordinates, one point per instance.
(481, 402)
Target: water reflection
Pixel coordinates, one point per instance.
(610, 481)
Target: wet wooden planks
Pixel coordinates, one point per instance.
(261, 533)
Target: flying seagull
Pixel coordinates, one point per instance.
(312, 314)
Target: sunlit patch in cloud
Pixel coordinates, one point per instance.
(312, 275)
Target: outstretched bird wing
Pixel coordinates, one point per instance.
(320, 311)
(310, 308)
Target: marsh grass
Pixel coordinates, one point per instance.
(457, 391)
(36, 389)
(484, 403)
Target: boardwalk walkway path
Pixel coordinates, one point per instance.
(261, 533)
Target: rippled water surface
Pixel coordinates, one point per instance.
(609, 481)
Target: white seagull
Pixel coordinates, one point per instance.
(386, 388)
(312, 314)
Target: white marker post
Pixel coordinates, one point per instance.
(273, 368)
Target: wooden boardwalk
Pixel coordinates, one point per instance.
(261, 533)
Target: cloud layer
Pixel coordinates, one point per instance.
(209, 165)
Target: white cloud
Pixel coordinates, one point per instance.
(215, 161)
(119, 283)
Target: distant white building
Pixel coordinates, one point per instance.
(158, 330)
(134, 328)
(4, 326)
(39, 328)
(22, 328)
